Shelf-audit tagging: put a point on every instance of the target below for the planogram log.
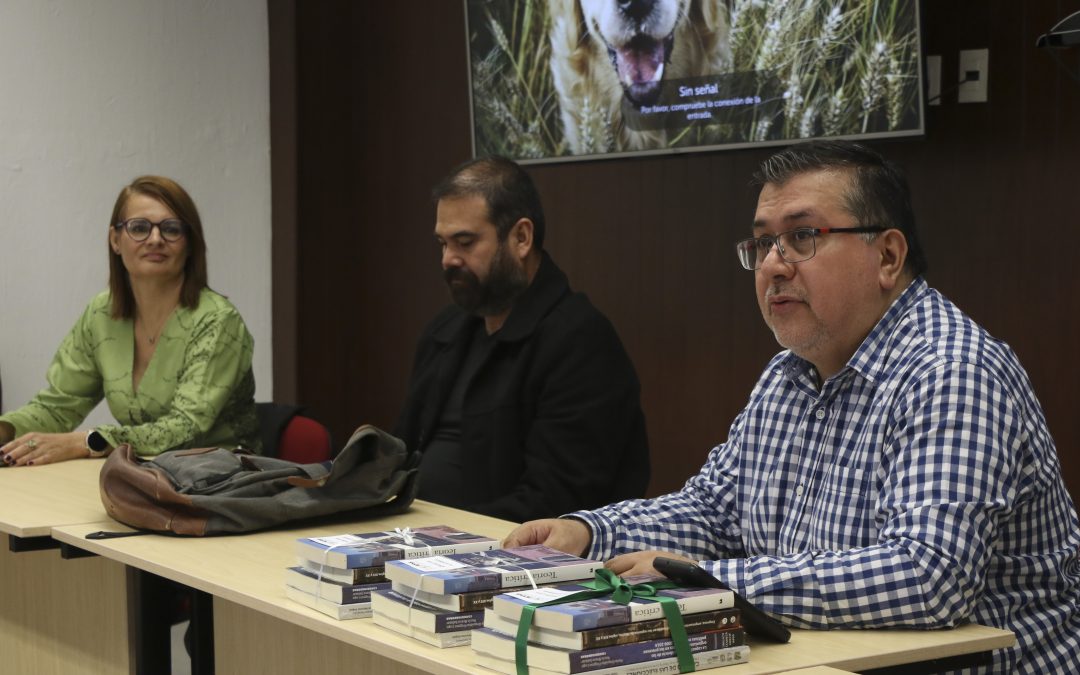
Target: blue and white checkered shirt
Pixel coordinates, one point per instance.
(917, 487)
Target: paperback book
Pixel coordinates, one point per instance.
(376, 548)
(487, 641)
(357, 610)
(470, 601)
(465, 572)
(600, 612)
(452, 639)
(426, 617)
(334, 591)
(355, 575)
(703, 660)
(619, 634)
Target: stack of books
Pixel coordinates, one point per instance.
(441, 600)
(337, 575)
(600, 636)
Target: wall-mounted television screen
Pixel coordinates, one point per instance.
(554, 80)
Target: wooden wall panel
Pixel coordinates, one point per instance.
(382, 113)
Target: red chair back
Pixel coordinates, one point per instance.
(305, 441)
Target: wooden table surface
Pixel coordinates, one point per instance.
(248, 571)
(34, 499)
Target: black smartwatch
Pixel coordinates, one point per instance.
(96, 444)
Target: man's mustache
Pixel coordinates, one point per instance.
(458, 274)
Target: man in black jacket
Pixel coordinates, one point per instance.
(522, 398)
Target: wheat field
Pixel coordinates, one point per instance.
(821, 68)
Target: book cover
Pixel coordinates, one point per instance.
(607, 636)
(570, 661)
(470, 601)
(376, 548)
(600, 612)
(702, 660)
(358, 610)
(334, 591)
(465, 572)
(356, 575)
(442, 640)
(426, 617)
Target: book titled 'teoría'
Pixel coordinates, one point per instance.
(501, 568)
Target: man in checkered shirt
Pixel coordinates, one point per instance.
(892, 467)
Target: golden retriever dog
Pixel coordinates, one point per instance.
(607, 54)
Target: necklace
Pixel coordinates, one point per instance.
(153, 338)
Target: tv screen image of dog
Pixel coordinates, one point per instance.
(574, 79)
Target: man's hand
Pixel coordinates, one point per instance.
(563, 534)
(35, 448)
(640, 562)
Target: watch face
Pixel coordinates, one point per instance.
(96, 442)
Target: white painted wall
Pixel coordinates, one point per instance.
(94, 93)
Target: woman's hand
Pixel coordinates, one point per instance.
(35, 448)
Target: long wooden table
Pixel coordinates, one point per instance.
(258, 630)
(57, 616)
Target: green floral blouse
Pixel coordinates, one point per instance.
(198, 389)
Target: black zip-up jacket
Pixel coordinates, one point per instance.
(552, 421)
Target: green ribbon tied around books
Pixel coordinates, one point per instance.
(607, 583)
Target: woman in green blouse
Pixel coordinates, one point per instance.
(171, 356)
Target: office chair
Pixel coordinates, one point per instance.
(287, 434)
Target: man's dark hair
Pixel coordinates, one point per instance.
(879, 193)
(508, 191)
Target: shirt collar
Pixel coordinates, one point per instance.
(870, 359)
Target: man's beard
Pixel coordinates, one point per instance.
(493, 296)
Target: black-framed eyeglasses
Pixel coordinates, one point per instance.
(794, 246)
(139, 229)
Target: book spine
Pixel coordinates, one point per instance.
(702, 661)
(651, 650)
(354, 557)
(450, 549)
(588, 618)
(334, 592)
(345, 575)
(369, 575)
(344, 556)
(644, 611)
(445, 640)
(361, 593)
(360, 610)
(424, 616)
(657, 629)
(486, 579)
(474, 601)
(458, 621)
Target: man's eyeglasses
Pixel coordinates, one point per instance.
(139, 229)
(794, 246)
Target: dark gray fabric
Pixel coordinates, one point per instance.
(215, 490)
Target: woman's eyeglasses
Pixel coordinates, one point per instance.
(139, 229)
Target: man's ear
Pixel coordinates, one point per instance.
(521, 237)
(894, 249)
